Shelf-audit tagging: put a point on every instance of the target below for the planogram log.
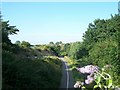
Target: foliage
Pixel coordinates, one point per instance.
(100, 42)
(7, 30)
(100, 47)
(18, 43)
(77, 50)
(58, 43)
(25, 44)
(51, 43)
(98, 77)
(20, 70)
(30, 74)
(50, 49)
(64, 49)
(101, 39)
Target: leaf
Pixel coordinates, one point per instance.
(105, 86)
(100, 85)
(98, 79)
(83, 87)
(109, 83)
(96, 86)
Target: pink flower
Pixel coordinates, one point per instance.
(82, 70)
(88, 69)
(89, 80)
(78, 84)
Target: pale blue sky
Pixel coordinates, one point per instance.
(42, 22)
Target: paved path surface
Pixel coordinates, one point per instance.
(67, 81)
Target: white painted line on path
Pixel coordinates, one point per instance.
(67, 75)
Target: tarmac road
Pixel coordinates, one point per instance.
(67, 81)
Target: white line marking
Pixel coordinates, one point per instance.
(67, 75)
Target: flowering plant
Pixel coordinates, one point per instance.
(102, 79)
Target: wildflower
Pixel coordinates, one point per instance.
(82, 70)
(88, 69)
(78, 84)
(91, 69)
(89, 79)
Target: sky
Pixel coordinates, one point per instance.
(43, 22)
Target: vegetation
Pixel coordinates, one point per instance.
(30, 74)
(100, 47)
(21, 70)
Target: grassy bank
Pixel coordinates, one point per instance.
(21, 74)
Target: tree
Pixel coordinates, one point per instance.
(102, 42)
(25, 44)
(18, 43)
(7, 30)
(58, 43)
(51, 43)
(74, 48)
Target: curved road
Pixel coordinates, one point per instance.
(67, 81)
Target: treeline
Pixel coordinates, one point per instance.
(59, 49)
(100, 46)
(21, 70)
